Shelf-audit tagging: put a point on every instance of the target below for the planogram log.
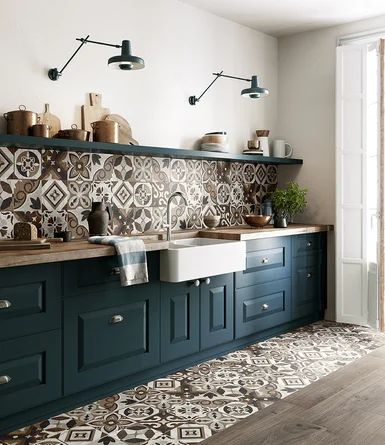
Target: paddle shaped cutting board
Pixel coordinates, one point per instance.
(93, 112)
(49, 119)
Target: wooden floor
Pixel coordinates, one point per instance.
(346, 407)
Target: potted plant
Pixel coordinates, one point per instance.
(287, 203)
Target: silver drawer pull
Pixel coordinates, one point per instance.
(309, 275)
(4, 379)
(309, 244)
(265, 260)
(116, 319)
(265, 307)
(4, 304)
(115, 271)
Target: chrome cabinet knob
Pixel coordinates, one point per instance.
(309, 275)
(5, 304)
(265, 260)
(197, 283)
(309, 244)
(4, 379)
(116, 319)
(115, 271)
(207, 280)
(265, 307)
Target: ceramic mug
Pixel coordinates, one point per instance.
(281, 149)
(264, 145)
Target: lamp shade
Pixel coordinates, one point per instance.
(126, 61)
(254, 92)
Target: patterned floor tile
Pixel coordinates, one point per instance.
(191, 405)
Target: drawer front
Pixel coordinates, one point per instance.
(179, 320)
(309, 285)
(266, 260)
(262, 307)
(30, 372)
(109, 338)
(308, 244)
(99, 274)
(217, 303)
(29, 300)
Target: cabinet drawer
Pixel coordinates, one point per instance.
(262, 307)
(307, 244)
(29, 300)
(308, 285)
(99, 274)
(266, 260)
(106, 338)
(32, 367)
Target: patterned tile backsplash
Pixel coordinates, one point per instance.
(54, 190)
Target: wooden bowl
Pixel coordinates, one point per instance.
(257, 220)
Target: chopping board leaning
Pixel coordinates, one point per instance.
(49, 119)
(93, 112)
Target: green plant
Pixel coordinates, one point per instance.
(290, 201)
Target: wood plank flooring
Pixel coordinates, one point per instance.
(345, 407)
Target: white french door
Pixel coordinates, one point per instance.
(357, 133)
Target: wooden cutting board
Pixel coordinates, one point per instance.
(125, 131)
(23, 245)
(93, 112)
(49, 119)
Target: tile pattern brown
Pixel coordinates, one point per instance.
(192, 405)
(54, 190)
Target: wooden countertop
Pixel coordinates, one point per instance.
(82, 249)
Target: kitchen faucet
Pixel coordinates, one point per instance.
(168, 212)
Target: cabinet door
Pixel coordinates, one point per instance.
(308, 285)
(261, 307)
(29, 300)
(30, 372)
(217, 301)
(179, 320)
(106, 338)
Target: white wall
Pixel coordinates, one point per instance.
(181, 46)
(306, 118)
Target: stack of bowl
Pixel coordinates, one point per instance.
(215, 141)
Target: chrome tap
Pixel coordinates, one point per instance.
(168, 212)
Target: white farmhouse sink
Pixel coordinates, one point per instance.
(193, 258)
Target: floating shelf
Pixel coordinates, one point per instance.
(141, 150)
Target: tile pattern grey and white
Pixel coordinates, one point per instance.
(54, 190)
(191, 405)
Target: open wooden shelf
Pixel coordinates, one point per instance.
(141, 150)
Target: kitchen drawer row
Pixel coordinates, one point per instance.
(69, 328)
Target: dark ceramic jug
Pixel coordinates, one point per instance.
(98, 219)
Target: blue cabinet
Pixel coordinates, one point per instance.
(217, 311)
(179, 320)
(108, 337)
(262, 306)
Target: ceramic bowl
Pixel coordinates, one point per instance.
(257, 220)
(211, 221)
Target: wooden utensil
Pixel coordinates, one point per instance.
(125, 131)
(93, 112)
(49, 119)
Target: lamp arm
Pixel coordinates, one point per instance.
(231, 77)
(97, 43)
(74, 54)
(211, 84)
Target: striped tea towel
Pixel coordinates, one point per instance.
(132, 258)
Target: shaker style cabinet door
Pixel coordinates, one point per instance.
(109, 337)
(217, 303)
(179, 320)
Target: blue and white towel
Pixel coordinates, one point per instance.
(132, 258)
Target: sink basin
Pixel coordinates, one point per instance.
(193, 258)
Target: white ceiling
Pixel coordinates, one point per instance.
(284, 17)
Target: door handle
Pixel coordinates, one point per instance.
(4, 379)
(265, 260)
(5, 304)
(116, 319)
(265, 307)
(115, 271)
(309, 275)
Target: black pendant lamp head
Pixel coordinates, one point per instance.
(254, 92)
(126, 61)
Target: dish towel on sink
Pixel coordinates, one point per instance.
(132, 258)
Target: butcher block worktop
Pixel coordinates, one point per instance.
(82, 249)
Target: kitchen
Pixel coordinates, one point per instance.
(191, 307)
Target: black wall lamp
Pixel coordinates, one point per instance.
(254, 92)
(125, 61)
